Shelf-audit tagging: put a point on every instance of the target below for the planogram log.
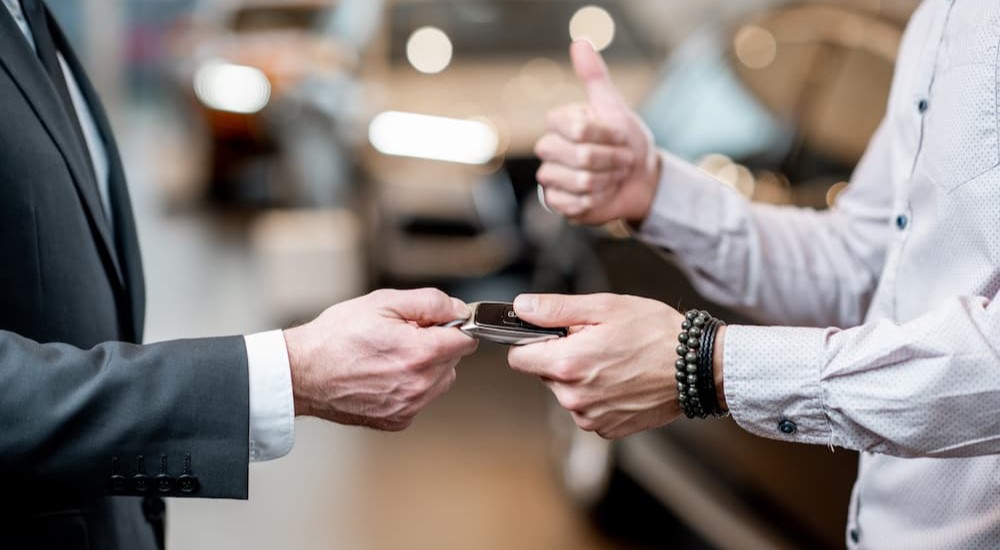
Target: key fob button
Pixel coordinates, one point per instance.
(510, 318)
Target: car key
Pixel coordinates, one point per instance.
(497, 322)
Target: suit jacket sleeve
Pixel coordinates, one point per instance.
(91, 421)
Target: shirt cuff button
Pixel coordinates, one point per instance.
(787, 427)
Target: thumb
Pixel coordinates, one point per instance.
(591, 69)
(558, 310)
(425, 306)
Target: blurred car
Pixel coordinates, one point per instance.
(458, 91)
(779, 105)
(237, 59)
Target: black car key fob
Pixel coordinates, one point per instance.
(497, 322)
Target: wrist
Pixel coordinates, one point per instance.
(297, 362)
(651, 182)
(717, 368)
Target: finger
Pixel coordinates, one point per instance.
(569, 396)
(561, 310)
(579, 124)
(548, 360)
(579, 182)
(591, 69)
(568, 204)
(425, 306)
(449, 342)
(587, 156)
(584, 422)
(579, 208)
(441, 385)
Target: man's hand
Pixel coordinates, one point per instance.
(615, 371)
(379, 359)
(599, 162)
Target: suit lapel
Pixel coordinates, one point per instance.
(27, 72)
(125, 235)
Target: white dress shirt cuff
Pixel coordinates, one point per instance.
(772, 382)
(272, 409)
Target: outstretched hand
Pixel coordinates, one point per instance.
(379, 359)
(614, 372)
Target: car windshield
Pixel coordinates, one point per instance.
(515, 28)
(277, 18)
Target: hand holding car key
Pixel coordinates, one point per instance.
(497, 322)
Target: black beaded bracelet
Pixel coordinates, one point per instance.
(706, 372)
(695, 383)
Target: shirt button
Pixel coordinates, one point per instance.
(787, 427)
(922, 106)
(902, 221)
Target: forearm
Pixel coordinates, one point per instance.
(73, 418)
(778, 264)
(923, 388)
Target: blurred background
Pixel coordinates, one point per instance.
(284, 155)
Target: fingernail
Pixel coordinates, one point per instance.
(526, 303)
(460, 306)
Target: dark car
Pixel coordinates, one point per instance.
(236, 62)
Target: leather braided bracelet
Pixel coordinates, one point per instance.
(695, 380)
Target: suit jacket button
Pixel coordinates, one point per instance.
(164, 483)
(140, 482)
(188, 484)
(118, 483)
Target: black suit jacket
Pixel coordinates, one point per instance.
(92, 426)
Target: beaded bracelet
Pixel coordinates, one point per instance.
(695, 383)
(706, 371)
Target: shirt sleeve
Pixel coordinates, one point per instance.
(928, 387)
(272, 410)
(777, 264)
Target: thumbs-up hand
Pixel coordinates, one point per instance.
(599, 162)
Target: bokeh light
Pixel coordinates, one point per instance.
(429, 50)
(593, 24)
(755, 47)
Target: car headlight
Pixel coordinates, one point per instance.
(433, 137)
(229, 87)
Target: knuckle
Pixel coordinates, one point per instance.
(396, 424)
(432, 297)
(420, 359)
(422, 385)
(604, 300)
(544, 173)
(540, 150)
(381, 295)
(585, 156)
(564, 369)
(586, 424)
(570, 401)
